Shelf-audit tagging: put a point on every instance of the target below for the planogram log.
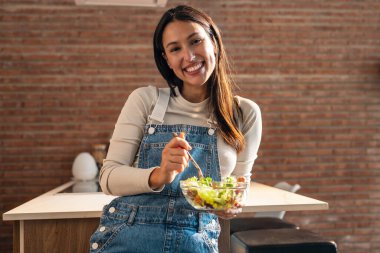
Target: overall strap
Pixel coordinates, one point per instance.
(161, 106)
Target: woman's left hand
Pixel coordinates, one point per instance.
(228, 214)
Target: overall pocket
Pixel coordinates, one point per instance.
(115, 218)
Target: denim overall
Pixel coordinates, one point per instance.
(162, 221)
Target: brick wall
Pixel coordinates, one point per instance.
(312, 66)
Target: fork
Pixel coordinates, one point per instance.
(200, 174)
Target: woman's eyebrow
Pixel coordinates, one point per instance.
(175, 42)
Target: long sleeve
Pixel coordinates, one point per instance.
(252, 130)
(118, 176)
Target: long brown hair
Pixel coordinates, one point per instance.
(220, 85)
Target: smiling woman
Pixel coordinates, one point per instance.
(145, 164)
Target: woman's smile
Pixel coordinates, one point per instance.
(194, 68)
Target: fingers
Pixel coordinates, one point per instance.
(228, 214)
(175, 158)
(225, 216)
(179, 142)
(234, 211)
(176, 155)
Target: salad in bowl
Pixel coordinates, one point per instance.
(205, 194)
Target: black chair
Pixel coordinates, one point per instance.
(284, 240)
(251, 223)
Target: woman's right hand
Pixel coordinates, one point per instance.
(174, 161)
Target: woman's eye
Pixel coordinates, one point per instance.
(174, 49)
(196, 41)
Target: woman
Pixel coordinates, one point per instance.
(145, 163)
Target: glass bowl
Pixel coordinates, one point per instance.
(204, 194)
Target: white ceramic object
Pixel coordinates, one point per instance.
(84, 167)
(85, 186)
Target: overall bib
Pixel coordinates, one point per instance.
(162, 221)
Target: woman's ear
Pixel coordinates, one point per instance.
(164, 55)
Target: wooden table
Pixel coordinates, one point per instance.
(63, 222)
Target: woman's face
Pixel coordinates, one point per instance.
(189, 52)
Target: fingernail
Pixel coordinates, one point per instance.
(190, 148)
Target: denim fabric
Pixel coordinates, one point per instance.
(162, 221)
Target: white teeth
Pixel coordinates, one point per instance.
(194, 68)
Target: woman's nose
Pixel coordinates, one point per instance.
(189, 55)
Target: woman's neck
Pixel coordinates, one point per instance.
(194, 94)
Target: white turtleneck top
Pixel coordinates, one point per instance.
(119, 175)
